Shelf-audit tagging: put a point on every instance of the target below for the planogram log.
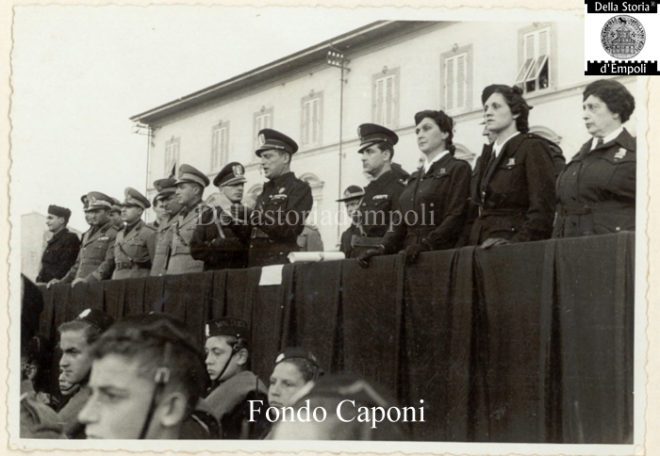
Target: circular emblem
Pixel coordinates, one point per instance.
(623, 37)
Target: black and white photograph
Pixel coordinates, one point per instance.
(285, 228)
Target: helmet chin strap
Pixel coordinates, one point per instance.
(161, 378)
(235, 348)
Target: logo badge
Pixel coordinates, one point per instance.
(238, 170)
(207, 330)
(85, 313)
(262, 139)
(620, 153)
(623, 37)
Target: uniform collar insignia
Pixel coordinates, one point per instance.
(620, 153)
(511, 162)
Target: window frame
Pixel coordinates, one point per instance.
(264, 111)
(315, 139)
(468, 79)
(172, 153)
(530, 68)
(384, 74)
(222, 154)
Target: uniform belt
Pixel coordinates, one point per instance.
(132, 265)
(366, 241)
(587, 209)
(500, 212)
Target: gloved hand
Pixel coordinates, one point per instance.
(365, 257)
(413, 251)
(491, 242)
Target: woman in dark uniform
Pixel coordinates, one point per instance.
(513, 183)
(432, 207)
(596, 191)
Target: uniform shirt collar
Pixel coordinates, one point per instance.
(427, 164)
(497, 147)
(611, 137)
(128, 228)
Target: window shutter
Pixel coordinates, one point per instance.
(214, 148)
(450, 83)
(460, 81)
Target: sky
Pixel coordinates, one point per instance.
(79, 73)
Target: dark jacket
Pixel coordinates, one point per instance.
(596, 191)
(378, 204)
(515, 194)
(58, 257)
(278, 218)
(431, 209)
(221, 240)
(346, 244)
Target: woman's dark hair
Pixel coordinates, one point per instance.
(443, 121)
(614, 94)
(514, 98)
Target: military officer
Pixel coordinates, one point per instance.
(374, 214)
(352, 198)
(167, 195)
(283, 205)
(62, 248)
(190, 186)
(135, 244)
(222, 237)
(91, 264)
(233, 385)
(115, 214)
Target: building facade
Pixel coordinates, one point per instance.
(393, 70)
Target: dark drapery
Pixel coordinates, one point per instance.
(528, 342)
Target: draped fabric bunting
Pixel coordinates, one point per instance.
(520, 343)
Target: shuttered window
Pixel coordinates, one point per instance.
(312, 106)
(219, 145)
(386, 98)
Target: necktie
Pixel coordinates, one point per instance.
(600, 142)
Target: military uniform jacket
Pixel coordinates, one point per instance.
(596, 191)
(229, 404)
(163, 244)
(515, 191)
(222, 238)
(91, 263)
(278, 219)
(133, 251)
(378, 203)
(183, 227)
(432, 208)
(58, 257)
